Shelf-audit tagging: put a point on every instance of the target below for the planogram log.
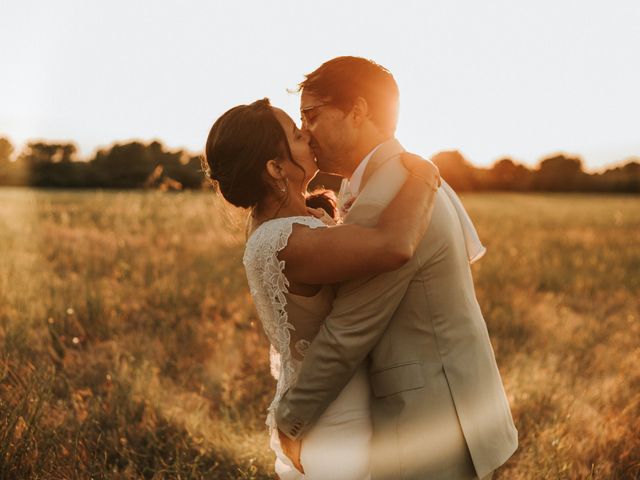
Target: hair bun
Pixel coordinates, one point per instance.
(239, 145)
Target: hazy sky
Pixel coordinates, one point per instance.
(490, 78)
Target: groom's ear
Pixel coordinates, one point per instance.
(360, 111)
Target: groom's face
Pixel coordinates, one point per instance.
(332, 134)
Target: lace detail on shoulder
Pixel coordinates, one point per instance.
(268, 286)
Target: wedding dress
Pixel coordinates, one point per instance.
(337, 447)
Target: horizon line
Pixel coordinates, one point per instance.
(557, 152)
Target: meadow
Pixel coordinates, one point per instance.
(130, 348)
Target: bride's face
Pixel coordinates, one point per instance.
(305, 167)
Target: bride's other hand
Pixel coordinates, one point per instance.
(424, 169)
(291, 449)
(322, 215)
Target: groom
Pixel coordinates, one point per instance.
(439, 409)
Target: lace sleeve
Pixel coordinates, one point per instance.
(269, 286)
(274, 362)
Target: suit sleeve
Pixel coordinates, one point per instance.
(360, 314)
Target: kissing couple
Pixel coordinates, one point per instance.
(382, 357)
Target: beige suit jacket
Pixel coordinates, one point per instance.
(438, 399)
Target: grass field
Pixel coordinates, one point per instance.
(129, 347)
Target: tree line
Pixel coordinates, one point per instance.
(150, 165)
(556, 173)
(120, 166)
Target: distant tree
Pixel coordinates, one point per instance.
(456, 170)
(632, 172)
(625, 179)
(182, 168)
(507, 175)
(560, 173)
(6, 150)
(36, 153)
(189, 172)
(632, 167)
(135, 165)
(150, 165)
(123, 165)
(44, 164)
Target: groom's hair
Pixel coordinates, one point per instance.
(343, 79)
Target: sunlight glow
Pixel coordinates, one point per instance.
(491, 79)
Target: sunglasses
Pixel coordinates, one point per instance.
(306, 114)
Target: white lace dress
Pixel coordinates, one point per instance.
(337, 447)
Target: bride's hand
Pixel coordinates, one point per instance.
(291, 449)
(322, 215)
(421, 168)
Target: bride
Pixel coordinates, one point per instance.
(262, 161)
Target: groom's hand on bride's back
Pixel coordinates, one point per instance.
(291, 449)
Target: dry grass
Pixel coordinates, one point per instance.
(129, 347)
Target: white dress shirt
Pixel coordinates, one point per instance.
(350, 187)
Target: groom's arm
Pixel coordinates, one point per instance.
(360, 314)
(359, 317)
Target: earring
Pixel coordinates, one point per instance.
(286, 184)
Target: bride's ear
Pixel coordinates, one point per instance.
(274, 169)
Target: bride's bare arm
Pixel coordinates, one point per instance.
(334, 254)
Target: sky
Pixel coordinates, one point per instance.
(523, 79)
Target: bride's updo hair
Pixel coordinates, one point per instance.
(240, 144)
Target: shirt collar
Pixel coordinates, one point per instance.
(356, 177)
